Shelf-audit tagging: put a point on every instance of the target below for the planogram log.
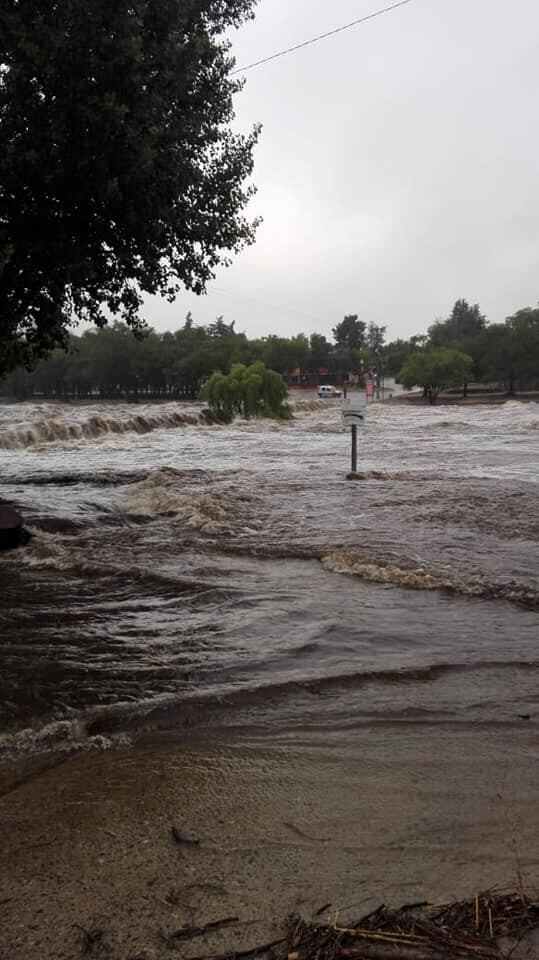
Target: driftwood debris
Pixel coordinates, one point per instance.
(189, 933)
(93, 941)
(470, 930)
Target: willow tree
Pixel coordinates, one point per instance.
(247, 391)
(119, 173)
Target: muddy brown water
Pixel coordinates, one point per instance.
(207, 578)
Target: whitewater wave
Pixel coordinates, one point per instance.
(527, 426)
(163, 491)
(48, 430)
(229, 527)
(54, 430)
(387, 572)
(310, 406)
(58, 737)
(117, 724)
(420, 578)
(75, 556)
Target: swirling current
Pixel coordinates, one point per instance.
(190, 575)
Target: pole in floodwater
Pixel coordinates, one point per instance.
(354, 448)
(353, 416)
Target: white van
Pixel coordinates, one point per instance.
(328, 390)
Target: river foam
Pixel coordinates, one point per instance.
(54, 430)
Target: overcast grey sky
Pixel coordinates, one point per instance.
(397, 169)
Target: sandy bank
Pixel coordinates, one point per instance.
(87, 845)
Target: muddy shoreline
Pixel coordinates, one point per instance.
(285, 824)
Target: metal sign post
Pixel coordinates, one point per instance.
(353, 415)
(354, 448)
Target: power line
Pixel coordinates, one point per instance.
(323, 36)
(269, 306)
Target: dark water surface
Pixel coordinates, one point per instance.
(203, 577)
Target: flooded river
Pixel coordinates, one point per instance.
(183, 575)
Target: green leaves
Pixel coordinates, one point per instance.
(505, 355)
(509, 352)
(350, 333)
(464, 323)
(248, 392)
(435, 369)
(119, 175)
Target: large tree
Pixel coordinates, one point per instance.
(350, 332)
(435, 370)
(119, 174)
(320, 350)
(376, 336)
(463, 324)
(509, 352)
(395, 353)
(461, 331)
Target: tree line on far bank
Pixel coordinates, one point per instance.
(465, 348)
(111, 362)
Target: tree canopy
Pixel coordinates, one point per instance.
(119, 174)
(435, 369)
(464, 323)
(375, 339)
(350, 332)
(248, 392)
(509, 352)
(110, 362)
(502, 354)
